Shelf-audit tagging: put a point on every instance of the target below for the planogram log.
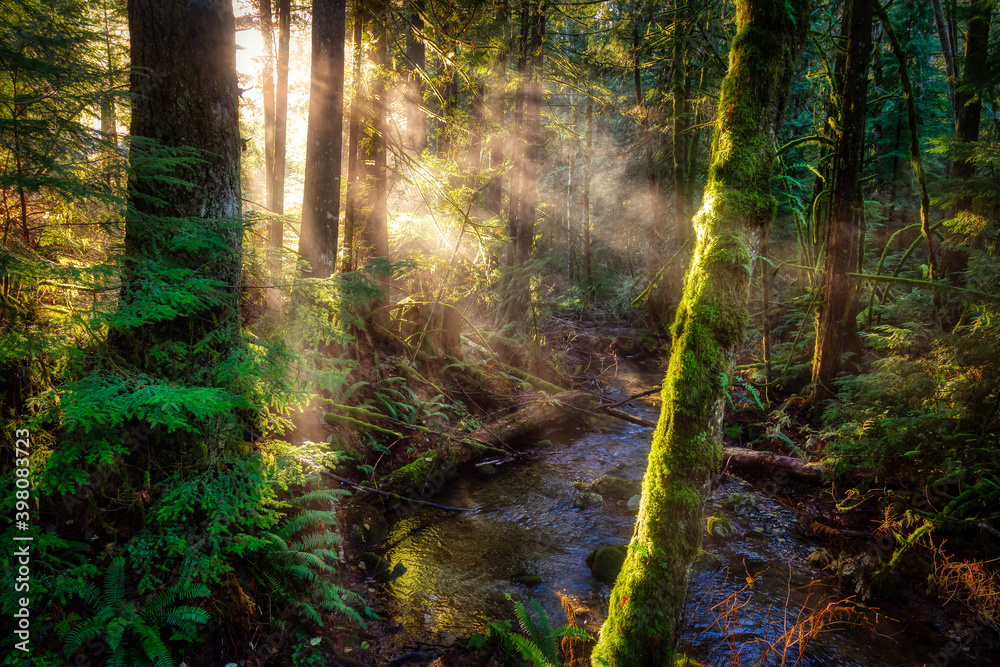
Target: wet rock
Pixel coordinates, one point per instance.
(373, 564)
(587, 500)
(719, 526)
(367, 523)
(706, 562)
(486, 470)
(740, 501)
(556, 488)
(633, 503)
(528, 579)
(614, 487)
(605, 563)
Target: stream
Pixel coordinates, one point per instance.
(460, 567)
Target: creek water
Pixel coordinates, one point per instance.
(460, 567)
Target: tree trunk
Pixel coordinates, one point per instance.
(372, 238)
(517, 143)
(416, 54)
(354, 136)
(949, 54)
(836, 321)
(684, 457)
(916, 160)
(494, 191)
(276, 238)
(528, 200)
(587, 169)
(968, 111)
(574, 156)
(321, 196)
(184, 94)
(267, 89)
(969, 104)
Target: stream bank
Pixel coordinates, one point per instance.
(526, 535)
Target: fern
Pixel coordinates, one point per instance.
(538, 644)
(134, 634)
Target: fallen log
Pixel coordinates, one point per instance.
(427, 474)
(797, 468)
(742, 457)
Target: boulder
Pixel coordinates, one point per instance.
(614, 487)
(719, 526)
(587, 499)
(605, 563)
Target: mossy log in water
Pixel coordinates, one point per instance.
(711, 319)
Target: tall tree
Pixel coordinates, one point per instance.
(266, 15)
(372, 239)
(836, 325)
(321, 196)
(182, 237)
(353, 140)
(968, 101)
(737, 209)
(528, 201)
(416, 117)
(277, 203)
(588, 265)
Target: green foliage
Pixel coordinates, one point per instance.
(926, 410)
(133, 631)
(538, 642)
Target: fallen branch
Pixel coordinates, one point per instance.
(387, 494)
(740, 456)
(648, 392)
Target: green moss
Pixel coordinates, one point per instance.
(711, 319)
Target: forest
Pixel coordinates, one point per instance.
(508, 332)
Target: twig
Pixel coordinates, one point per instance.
(633, 397)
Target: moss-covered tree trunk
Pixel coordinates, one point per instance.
(836, 326)
(684, 457)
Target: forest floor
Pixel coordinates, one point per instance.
(831, 532)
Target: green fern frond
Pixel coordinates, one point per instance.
(529, 651)
(303, 520)
(332, 495)
(153, 646)
(90, 629)
(114, 583)
(543, 635)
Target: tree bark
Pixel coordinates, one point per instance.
(711, 320)
(517, 138)
(184, 94)
(494, 191)
(267, 90)
(276, 237)
(836, 320)
(354, 136)
(949, 54)
(968, 111)
(916, 160)
(416, 54)
(968, 103)
(587, 169)
(528, 200)
(324, 140)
